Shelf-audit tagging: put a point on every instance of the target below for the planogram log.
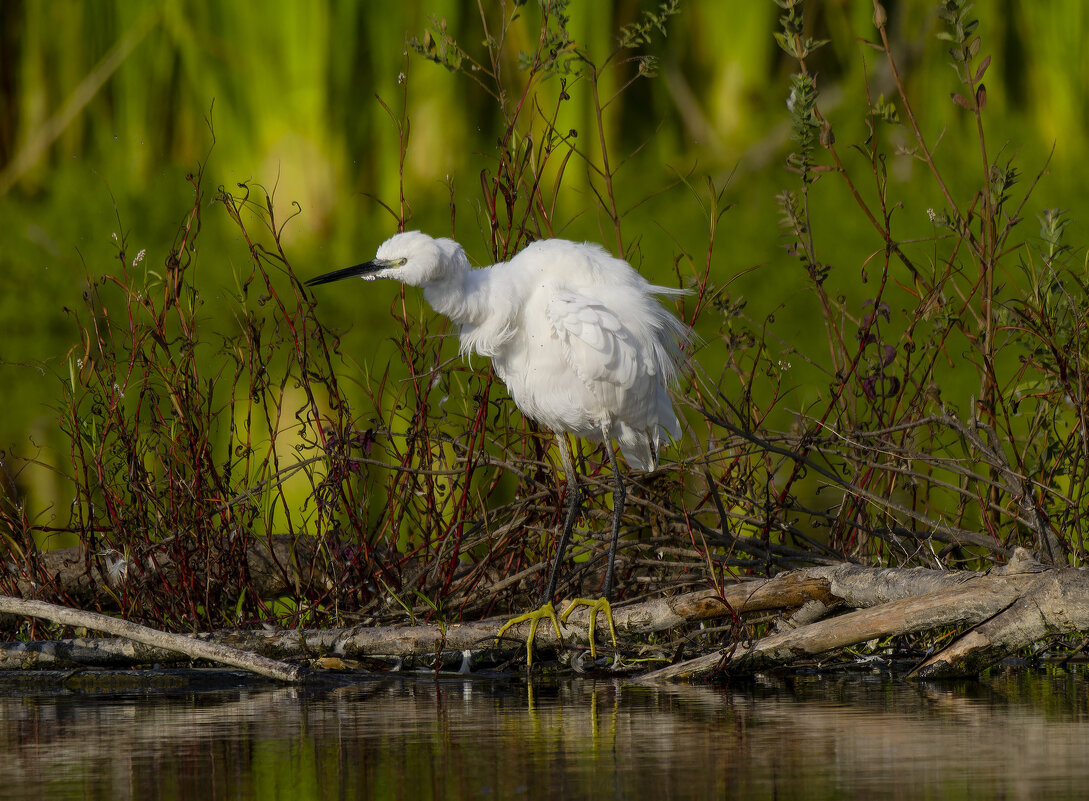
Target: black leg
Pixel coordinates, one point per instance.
(618, 510)
(601, 604)
(574, 502)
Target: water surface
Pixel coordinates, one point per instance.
(1018, 736)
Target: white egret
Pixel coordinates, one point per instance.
(582, 345)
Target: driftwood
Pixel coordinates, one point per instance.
(1011, 608)
(828, 609)
(192, 648)
(419, 643)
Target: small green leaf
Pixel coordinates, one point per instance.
(787, 43)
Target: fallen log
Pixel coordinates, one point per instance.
(825, 609)
(1056, 602)
(428, 640)
(1013, 607)
(191, 648)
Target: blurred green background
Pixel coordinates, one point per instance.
(107, 105)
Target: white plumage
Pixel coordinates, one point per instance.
(578, 337)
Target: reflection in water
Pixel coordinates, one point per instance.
(1021, 737)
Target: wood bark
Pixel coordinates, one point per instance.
(191, 648)
(825, 610)
(1007, 609)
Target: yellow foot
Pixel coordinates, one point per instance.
(546, 612)
(600, 605)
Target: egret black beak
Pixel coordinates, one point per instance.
(366, 268)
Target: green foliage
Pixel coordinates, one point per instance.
(801, 103)
(791, 39)
(954, 13)
(885, 111)
(437, 45)
(1053, 224)
(640, 33)
(192, 449)
(915, 393)
(1023, 430)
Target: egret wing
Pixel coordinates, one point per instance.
(601, 350)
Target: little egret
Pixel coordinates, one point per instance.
(582, 345)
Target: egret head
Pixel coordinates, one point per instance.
(411, 258)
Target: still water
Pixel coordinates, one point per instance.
(1017, 736)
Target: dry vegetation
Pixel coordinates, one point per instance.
(429, 503)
